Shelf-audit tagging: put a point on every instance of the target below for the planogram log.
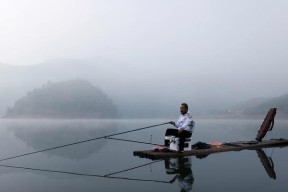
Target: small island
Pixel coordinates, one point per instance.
(75, 98)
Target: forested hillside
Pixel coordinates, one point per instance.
(258, 107)
(67, 99)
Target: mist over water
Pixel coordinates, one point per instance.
(139, 60)
(147, 55)
(222, 172)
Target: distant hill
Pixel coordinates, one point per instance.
(138, 90)
(66, 99)
(135, 90)
(258, 107)
(281, 103)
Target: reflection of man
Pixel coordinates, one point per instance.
(184, 175)
(184, 126)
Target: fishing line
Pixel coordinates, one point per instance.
(108, 175)
(270, 133)
(133, 141)
(89, 175)
(272, 152)
(79, 142)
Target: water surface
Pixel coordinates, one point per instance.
(109, 165)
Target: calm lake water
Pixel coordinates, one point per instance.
(109, 165)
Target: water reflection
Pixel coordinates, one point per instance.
(45, 134)
(102, 171)
(267, 163)
(179, 171)
(106, 176)
(182, 169)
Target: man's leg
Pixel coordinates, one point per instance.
(182, 135)
(170, 132)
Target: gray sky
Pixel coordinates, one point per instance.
(228, 46)
(211, 33)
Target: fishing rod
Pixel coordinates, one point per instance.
(129, 169)
(84, 141)
(132, 141)
(92, 175)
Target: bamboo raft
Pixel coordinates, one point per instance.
(225, 147)
(267, 125)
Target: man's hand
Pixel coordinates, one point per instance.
(172, 180)
(180, 130)
(172, 122)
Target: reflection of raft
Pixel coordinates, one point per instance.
(225, 147)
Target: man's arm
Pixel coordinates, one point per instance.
(173, 123)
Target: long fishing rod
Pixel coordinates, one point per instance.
(91, 175)
(84, 141)
(132, 141)
(129, 169)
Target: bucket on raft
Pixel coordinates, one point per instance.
(173, 143)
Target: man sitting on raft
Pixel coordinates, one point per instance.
(184, 126)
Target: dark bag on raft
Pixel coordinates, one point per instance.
(201, 145)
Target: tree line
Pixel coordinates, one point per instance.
(75, 98)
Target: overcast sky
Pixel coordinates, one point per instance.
(228, 44)
(209, 32)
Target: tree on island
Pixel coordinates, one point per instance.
(75, 98)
